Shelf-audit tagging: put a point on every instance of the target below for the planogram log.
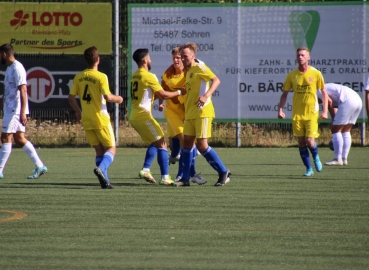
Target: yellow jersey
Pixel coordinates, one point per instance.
(91, 86)
(174, 83)
(305, 86)
(144, 84)
(197, 84)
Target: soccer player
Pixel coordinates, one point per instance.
(305, 82)
(144, 87)
(172, 79)
(15, 112)
(92, 87)
(344, 106)
(199, 114)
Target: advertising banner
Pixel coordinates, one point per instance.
(252, 48)
(49, 80)
(51, 28)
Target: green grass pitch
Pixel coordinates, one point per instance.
(268, 217)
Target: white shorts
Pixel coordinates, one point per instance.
(348, 111)
(11, 124)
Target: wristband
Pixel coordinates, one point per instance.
(179, 92)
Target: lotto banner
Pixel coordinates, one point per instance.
(252, 47)
(49, 81)
(55, 27)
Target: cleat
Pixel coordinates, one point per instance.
(309, 172)
(167, 182)
(174, 160)
(344, 161)
(178, 178)
(103, 181)
(318, 164)
(183, 183)
(110, 186)
(1, 176)
(223, 179)
(38, 172)
(198, 179)
(147, 176)
(335, 162)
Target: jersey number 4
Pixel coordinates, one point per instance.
(86, 95)
(134, 89)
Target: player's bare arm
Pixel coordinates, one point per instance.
(113, 98)
(324, 114)
(23, 100)
(166, 95)
(215, 82)
(73, 103)
(282, 102)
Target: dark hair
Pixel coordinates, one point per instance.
(7, 48)
(140, 54)
(91, 56)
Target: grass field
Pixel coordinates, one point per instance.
(267, 217)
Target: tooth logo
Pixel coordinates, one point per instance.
(304, 26)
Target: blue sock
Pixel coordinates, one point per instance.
(176, 147)
(304, 153)
(212, 158)
(98, 160)
(180, 166)
(186, 163)
(314, 151)
(193, 162)
(107, 160)
(163, 161)
(150, 155)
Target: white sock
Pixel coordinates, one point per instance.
(6, 150)
(337, 144)
(31, 152)
(346, 144)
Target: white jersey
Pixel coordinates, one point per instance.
(338, 93)
(367, 82)
(15, 76)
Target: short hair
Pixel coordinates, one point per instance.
(91, 55)
(302, 48)
(139, 55)
(177, 50)
(191, 46)
(7, 48)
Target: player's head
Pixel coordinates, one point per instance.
(303, 55)
(142, 58)
(91, 56)
(176, 57)
(188, 52)
(6, 52)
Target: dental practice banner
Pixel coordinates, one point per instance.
(252, 47)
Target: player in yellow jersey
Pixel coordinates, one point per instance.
(305, 82)
(144, 87)
(172, 79)
(92, 87)
(199, 114)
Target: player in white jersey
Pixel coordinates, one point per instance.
(344, 106)
(15, 112)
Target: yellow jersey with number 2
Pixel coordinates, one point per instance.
(305, 86)
(197, 84)
(91, 85)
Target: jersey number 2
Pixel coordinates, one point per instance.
(86, 95)
(134, 88)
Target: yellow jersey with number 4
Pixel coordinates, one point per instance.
(144, 84)
(91, 86)
(305, 86)
(197, 84)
